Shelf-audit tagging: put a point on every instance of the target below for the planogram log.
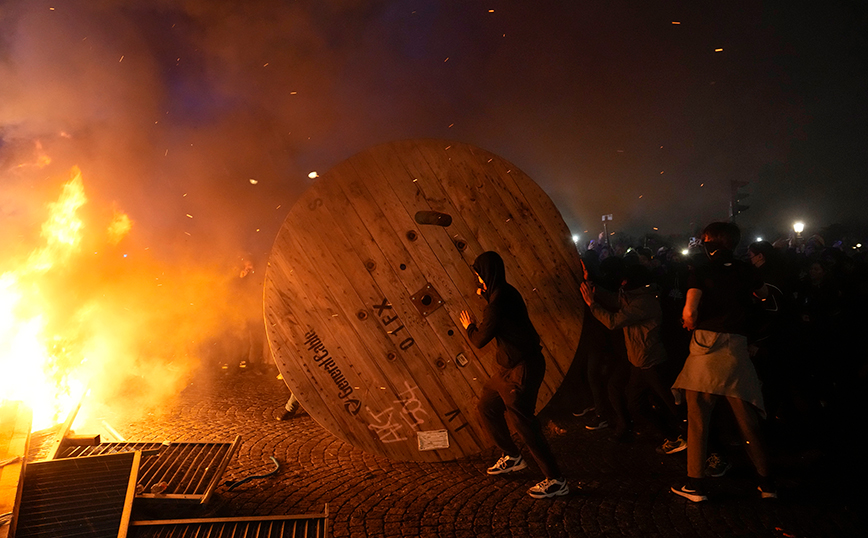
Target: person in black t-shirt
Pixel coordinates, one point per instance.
(719, 296)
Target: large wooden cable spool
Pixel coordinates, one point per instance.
(370, 271)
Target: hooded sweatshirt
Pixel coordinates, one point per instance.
(639, 315)
(505, 318)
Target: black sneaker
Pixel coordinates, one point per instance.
(507, 464)
(767, 488)
(550, 487)
(597, 423)
(715, 466)
(691, 493)
(583, 412)
(671, 447)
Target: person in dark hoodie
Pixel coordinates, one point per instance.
(514, 387)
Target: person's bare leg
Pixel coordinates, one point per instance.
(699, 407)
(748, 423)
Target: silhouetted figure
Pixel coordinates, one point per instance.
(519, 373)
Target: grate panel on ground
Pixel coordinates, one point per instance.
(88, 497)
(186, 471)
(298, 526)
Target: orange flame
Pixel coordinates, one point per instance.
(78, 313)
(34, 362)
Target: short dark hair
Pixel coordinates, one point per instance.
(726, 234)
(762, 247)
(636, 276)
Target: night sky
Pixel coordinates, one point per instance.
(171, 108)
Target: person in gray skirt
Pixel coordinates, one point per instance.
(719, 296)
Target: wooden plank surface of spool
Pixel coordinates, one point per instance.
(370, 271)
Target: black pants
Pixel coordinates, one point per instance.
(514, 391)
(645, 382)
(629, 391)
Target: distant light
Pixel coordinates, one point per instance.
(758, 239)
(576, 238)
(685, 252)
(253, 181)
(125, 255)
(858, 245)
(675, 22)
(798, 227)
(655, 228)
(313, 175)
(718, 50)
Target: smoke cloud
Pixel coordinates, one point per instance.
(200, 120)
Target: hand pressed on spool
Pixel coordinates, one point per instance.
(587, 289)
(466, 319)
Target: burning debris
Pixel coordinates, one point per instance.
(85, 310)
(41, 361)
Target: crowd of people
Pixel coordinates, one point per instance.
(769, 329)
(691, 349)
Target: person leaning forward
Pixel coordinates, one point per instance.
(514, 386)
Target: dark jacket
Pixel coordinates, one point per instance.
(505, 318)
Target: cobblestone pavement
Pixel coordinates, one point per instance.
(617, 489)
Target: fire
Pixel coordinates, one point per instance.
(43, 346)
(88, 307)
(119, 227)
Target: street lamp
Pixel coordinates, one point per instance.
(798, 227)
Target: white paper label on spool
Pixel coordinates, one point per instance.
(433, 440)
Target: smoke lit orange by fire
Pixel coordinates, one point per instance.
(81, 313)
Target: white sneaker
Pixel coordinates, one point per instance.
(671, 447)
(549, 487)
(507, 464)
